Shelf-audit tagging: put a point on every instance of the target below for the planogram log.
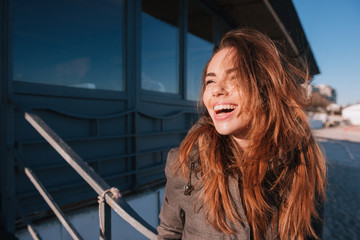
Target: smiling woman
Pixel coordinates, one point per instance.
(250, 168)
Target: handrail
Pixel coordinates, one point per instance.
(120, 206)
(47, 197)
(32, 230)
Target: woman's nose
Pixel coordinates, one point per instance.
(219, 89)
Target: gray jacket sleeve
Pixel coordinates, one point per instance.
(171, 214)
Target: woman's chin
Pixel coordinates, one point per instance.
(223, 130)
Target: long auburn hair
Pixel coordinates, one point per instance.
(282, 171)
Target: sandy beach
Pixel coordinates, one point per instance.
(342, 208)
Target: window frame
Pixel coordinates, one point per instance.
(132, 63)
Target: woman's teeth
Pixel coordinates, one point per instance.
(224, 108)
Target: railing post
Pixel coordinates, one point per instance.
(105, 221)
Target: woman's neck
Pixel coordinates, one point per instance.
(242, 142)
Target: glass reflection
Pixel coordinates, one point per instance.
(70, 43)
(199, 52)
(200, 44)
(159, 46)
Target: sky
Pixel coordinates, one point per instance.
(332, 28)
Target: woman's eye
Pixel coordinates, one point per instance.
(233, 77)
(207, 82)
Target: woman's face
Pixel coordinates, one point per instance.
(222, 97)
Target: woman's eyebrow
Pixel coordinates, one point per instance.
(210, 75)
(228, 71)
(231, 70)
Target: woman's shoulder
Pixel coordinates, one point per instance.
(172, 158)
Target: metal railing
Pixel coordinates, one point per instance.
(120, 206)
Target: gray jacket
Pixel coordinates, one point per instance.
(181, 218)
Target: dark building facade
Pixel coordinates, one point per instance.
(118, 80)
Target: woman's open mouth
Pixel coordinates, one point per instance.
(224, 110)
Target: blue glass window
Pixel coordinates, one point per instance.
(160, 46)
(200, 46)
(70, 43)
(199, 53)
